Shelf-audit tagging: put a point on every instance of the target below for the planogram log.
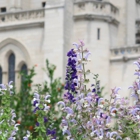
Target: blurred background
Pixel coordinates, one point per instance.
(32, 31)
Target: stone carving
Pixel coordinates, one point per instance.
(96, 8)
(125, 51)
(22, 15)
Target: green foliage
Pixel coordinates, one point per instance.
(53, 87)
(130, 128)
(23, 101)
(7, 115)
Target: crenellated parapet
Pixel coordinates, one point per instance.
(91, 9)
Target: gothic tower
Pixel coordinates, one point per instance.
(96, 22)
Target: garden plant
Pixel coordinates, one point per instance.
(83, 113)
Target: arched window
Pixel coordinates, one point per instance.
(11, 68)
(0, 75)
(24, 71)
(138, 38)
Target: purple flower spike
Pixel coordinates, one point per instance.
(37, 123)
(36, 95)
(45, 120)
(86, 56)
(113, 133)
(138, 64)
(99, 101)
(10, 83)
(116, 90)
(51, 132)
(137, 73)
(61, 103)
(69, 110)
(77, 45)
(47, 96)
(82, 43)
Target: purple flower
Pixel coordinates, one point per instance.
(35, 102)
(137, 64)
(45, 120)
(37, 123)
(51, 132)
(87, 54)
(27, 136)
(35, 109)
(71, 75)
(69, 96)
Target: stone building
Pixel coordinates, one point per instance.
(33, 30)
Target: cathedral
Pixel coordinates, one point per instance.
(33, 30)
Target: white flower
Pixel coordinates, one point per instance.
(48, 100)
(79, 116)
(113, 114)
(46, 107)
(138, 91)
(34, 99)
(135, 102)
(37, 104)
(10, 86)
(28, 134)
(86, 104)
(68, 137)
(108, 125)
(117, 95)
(100, 137)
(101, 106)
(65, 128)
(68, 116)
(82, 101)
(16, 126)
(92, 134)
(138, 117)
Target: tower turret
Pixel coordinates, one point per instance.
(96, 22)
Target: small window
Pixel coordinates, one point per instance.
(43, 4)
(98, 34)
(0, 75)
(138, 38)
(3, 9)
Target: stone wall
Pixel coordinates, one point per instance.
(25, 43)
(53, 38)
(68, 30)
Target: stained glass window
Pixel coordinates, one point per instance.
(0, 75)
(11, 68)
(24, 70)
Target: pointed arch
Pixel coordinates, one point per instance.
(20, 45)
